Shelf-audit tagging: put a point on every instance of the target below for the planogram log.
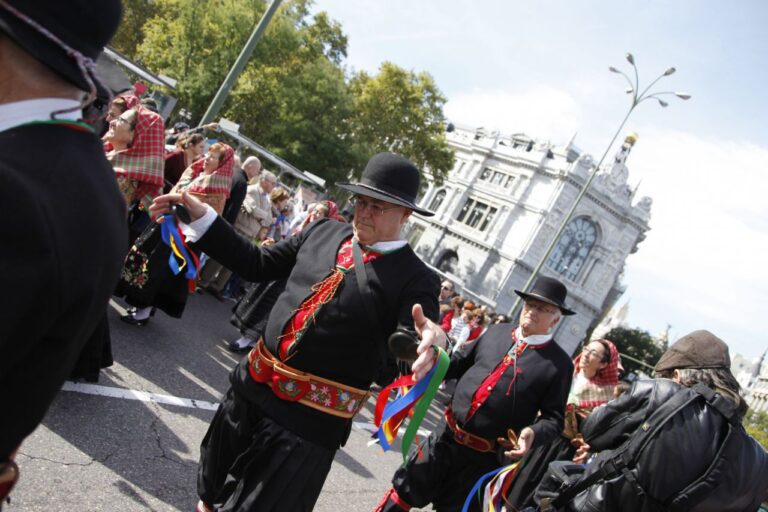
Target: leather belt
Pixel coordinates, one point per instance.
(292, 385)
(461, 436)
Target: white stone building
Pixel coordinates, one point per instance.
(500, 207)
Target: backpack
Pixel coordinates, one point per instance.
(565, 480)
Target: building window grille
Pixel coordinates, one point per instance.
(499, 178)
(437, 200)
(477, 214)
(573, 248)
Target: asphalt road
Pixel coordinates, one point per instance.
(131, 443)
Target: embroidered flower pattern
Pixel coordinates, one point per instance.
(320, 395)
(135, 271)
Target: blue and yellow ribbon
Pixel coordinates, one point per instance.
(171, 235)
(389, 417)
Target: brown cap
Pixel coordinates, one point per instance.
(699, 349)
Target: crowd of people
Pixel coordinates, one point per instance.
(318, 297)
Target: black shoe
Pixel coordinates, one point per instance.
(129, 319)
(237, 349)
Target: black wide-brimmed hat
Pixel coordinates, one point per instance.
(41, 26)
(550, 291)
(391, 178)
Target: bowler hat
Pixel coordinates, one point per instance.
(391, 178)
(550, 291)
(45, 28)
(699, 349)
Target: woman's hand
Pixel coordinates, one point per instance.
(582, 453)
(162, 205)
(430, 334)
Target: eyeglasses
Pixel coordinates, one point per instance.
(540, 307)
(375, 211)
(592, 353)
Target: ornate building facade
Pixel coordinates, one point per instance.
(502, 204)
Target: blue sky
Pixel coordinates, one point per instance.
(542, 68)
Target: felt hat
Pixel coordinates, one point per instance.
(67, 36)
(391, 178)
(550, 291)
(699, 349)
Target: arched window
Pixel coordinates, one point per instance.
(449, 262)
(573, 248)
(437, 201)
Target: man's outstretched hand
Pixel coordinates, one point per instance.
(430, 334)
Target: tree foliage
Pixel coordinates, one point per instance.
(637, 344)
(294, 95)
(756, 424)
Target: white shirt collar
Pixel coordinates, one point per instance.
(388, 246)
(533, 339)
(23, 112)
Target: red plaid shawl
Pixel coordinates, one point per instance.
(599, 389)
(143, 162)
(218, 182)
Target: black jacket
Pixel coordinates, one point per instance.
(63, 239)
(541, 386)
(340, 345)
(678, 455)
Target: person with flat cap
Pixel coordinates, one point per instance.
(700, 460)
(508, 379)
(292, 398)
(63, 231)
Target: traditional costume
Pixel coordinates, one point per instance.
(585, 395)
(63, 228)
(505, 381)
(147, 279)
(292, 400)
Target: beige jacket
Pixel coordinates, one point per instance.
(255, 213)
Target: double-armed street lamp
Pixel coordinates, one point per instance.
(637, 98)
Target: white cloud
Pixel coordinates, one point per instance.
(702, 263)
(540, 112)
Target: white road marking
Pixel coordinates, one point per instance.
(143, 396)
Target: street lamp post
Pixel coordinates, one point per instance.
(637, 98)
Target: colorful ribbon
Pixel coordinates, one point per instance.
(495, 491)
(389, 417)
(173, 238)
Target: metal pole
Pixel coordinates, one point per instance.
(237, 67)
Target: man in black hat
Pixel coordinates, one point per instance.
(701, 459)
(63, 230)
(292, 399)
(516, 379)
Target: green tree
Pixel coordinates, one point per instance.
(130, 33)
(401, 111)
(756, 424)
(637, 344)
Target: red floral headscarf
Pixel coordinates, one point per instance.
(218, 182)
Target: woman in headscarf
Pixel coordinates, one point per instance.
(210, 178)
(147, 281)
(596, 373)
(188, 150)
(251, 313)
(134, 146)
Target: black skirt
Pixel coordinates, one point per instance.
(442, 472)
(249, 462)
(95, 355)
(147, 279)
(533, 467)
(252, 311)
